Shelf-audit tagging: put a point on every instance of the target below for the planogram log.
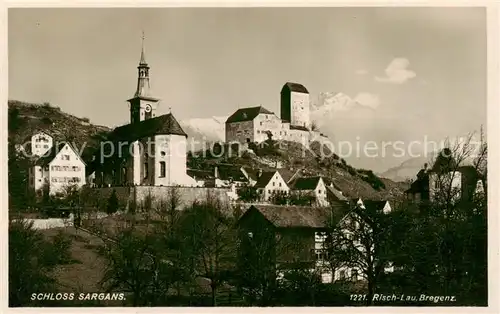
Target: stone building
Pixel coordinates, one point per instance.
(255, 124)
(151, 150)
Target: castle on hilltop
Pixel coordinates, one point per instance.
(257, 124)
(152, 150)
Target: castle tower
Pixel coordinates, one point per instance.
(295, 105)
(142, 105)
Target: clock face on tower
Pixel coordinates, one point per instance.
(148, 108)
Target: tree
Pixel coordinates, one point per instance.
(131, 268)
(257, 264)
(208, 235)
(31, 261)
(146, 259)
(301, 199)
(112, 206)
(279, 198)
(442, 246)
(248, 193)
(359, 242)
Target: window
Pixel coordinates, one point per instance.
(274, 183)
(162, 169)
(354, 274)
(260, 123)
(280, 184)
(45, 146)
(250, 235)
(342, 275)
(145, 170)
(436, 184)
(162, 153)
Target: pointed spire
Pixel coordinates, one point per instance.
(143, 56)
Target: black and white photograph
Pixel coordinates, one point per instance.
(328, 156)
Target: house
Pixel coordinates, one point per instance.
(251, 174)
(41, 143)
(335, 194)
(60, 167)
(269, 183)
(290, 175)
(203, 178)
(313, 186)
(376, 207)
(150, 150)
(290, 236)
(359, 227)
(445, 180)
(229, 175)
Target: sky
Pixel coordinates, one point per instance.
(414, 72)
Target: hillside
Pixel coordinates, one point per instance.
(293, 156)
(25, 119)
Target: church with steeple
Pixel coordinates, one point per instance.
(150, 150)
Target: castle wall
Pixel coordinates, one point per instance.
(240, 132)
(187, 195)
(269, 122)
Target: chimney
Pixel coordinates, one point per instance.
(260, 173)
(216, 172)
(425, 166)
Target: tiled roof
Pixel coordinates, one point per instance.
(374, 207)
(287, 174)
(161, 125)
(305, 183)
(247, 114)
(301, 216)
(200, 174)
(252, 173)
(294, 87)
(231, 172)
(264, 179)
(336, 193)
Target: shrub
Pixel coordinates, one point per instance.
(372, 179)
(248, 193)
(112, 206)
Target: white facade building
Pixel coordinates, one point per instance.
(61, 167)
(151, 150)
(41, 143)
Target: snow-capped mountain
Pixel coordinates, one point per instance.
(202, 131)
(329, 103)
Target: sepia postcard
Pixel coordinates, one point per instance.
(234, 157)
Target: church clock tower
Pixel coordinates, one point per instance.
(142, 105)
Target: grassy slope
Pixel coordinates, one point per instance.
(26, 119)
